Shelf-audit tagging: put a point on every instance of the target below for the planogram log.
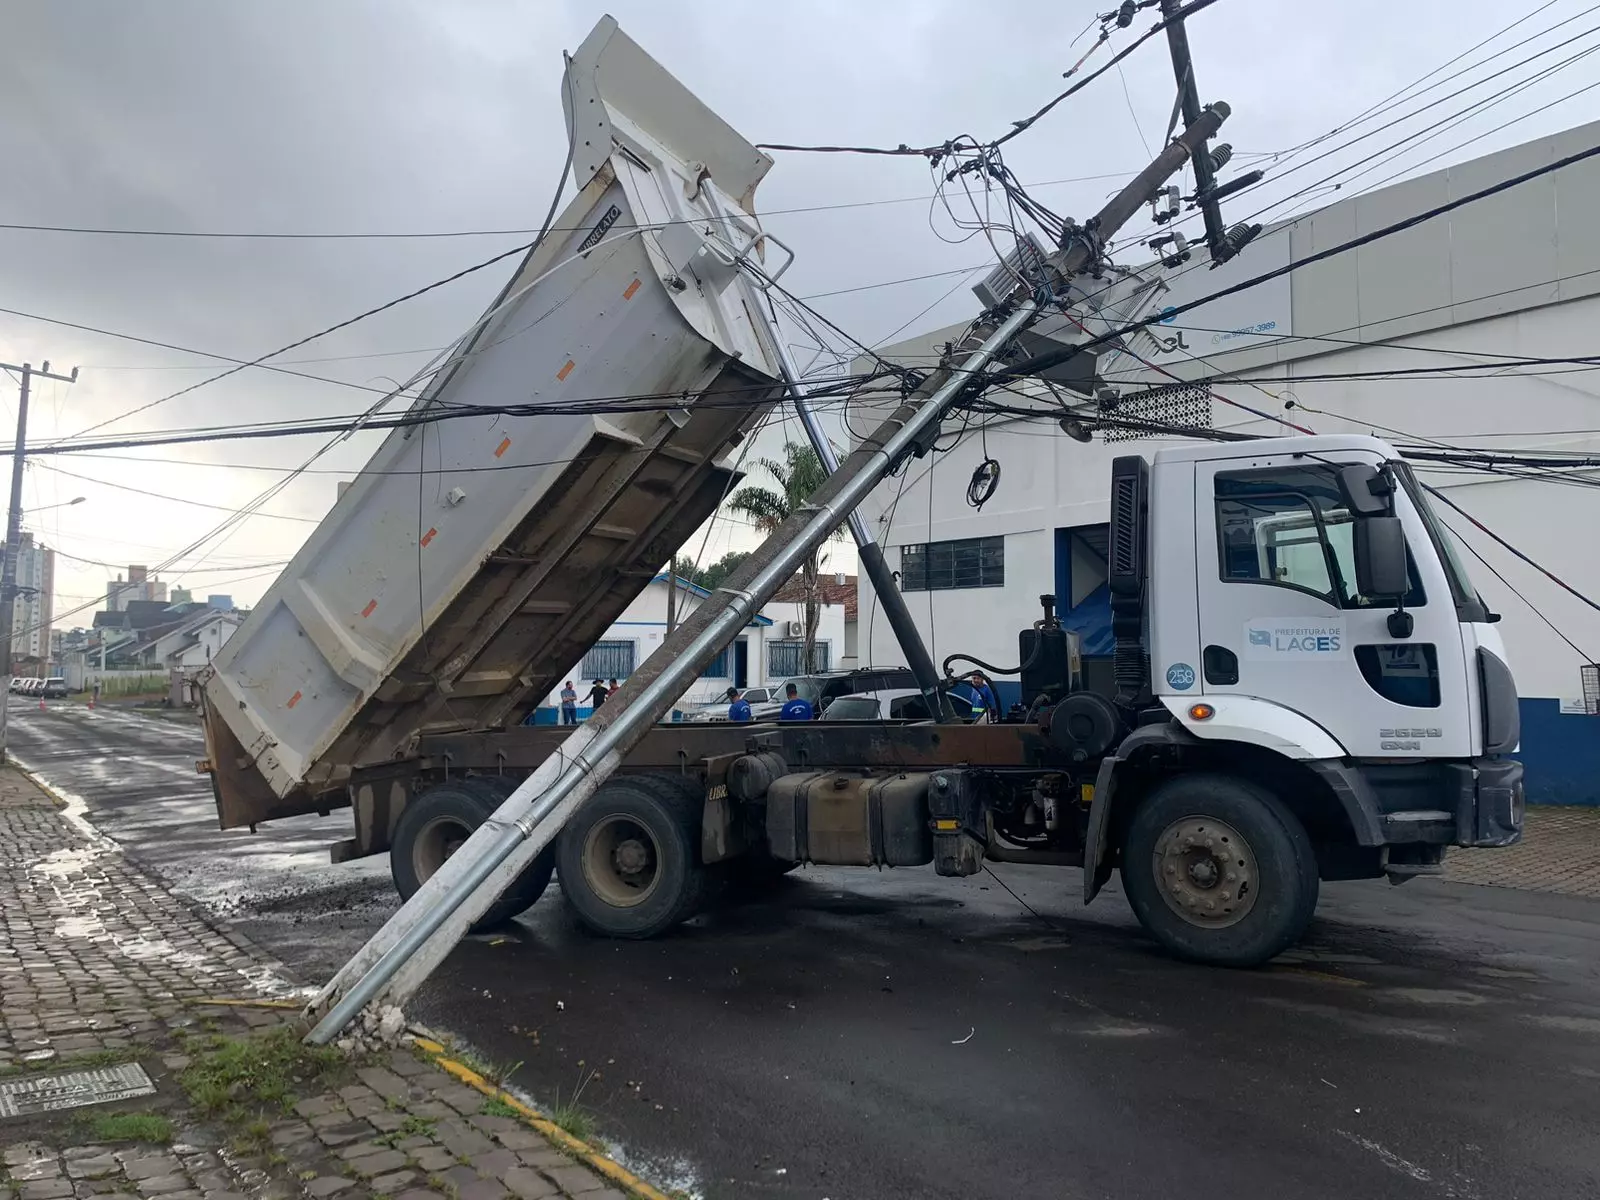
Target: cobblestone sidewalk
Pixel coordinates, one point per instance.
(102, 966)
(1559, 852)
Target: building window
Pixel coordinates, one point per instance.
(608, 660)
(788, 658)
(963, 563)
(718, 667)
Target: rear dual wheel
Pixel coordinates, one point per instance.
(435, 824)
(629, 859)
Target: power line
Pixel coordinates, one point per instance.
(294, 345)
(110, 566)
(123, 487)
(1445, 370)
(1017, 127)
(1507, 546)
(1468, 111)
(1510, 587)
(160, 345)
(1394, 97)
(1044, 361)
(1474, 109)
(441, 234)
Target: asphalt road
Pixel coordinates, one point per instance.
(878, 1036)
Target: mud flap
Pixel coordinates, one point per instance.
(1096, 861)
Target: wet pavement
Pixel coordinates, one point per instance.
(870, 1035)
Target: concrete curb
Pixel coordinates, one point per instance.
(563, 1140)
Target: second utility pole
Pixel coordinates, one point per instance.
(8, 572)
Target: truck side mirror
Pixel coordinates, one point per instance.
(1380, 553)
(1365, 490)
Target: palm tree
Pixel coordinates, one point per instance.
(799, 475)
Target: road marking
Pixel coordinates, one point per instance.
(610, 1168)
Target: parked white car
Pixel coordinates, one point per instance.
(898, 704)
(717, 710)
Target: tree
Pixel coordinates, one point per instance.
(799, 475)
(711, 575)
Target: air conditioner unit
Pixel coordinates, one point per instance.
(794, 628)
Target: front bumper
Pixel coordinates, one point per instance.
(1489, 802)
(1476, 802)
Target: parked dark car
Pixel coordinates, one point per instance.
(55, 688)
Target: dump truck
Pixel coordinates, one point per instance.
(1306, 684)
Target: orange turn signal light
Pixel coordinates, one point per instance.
(1201, 712)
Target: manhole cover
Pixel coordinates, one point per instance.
(50, 1093)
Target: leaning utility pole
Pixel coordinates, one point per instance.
(8, 572)
(400, 955)
(1224, 243)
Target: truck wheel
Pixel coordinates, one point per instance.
(629, 859)
(1218, 871)
(433, 826)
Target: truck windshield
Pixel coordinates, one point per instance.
(1469, 605)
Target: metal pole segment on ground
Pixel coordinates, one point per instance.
(448, 903)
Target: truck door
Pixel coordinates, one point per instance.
(1281, 620)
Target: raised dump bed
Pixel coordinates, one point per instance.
(479, 552)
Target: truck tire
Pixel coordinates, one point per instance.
(629, 859)
(1218, 871)
(433, 826)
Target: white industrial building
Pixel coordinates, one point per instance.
(767, 652)
(1513, 276)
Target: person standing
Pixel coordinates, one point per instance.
(569, 704)
(738, 706)
(794, 707)
(597, 695)
(985, 705)
(611, 689)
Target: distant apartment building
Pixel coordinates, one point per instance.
(137, 586)
(33, 609)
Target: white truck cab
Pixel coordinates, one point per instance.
(1300, 617)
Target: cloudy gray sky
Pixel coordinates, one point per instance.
(401, 115)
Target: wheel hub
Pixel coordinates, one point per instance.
(435, 843)
(621, 862)
(631, 856)
(1206, 871)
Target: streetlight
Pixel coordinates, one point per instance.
(63, 504)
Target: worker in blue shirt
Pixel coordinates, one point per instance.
(985, 706)
(794, 708)
(738, 706)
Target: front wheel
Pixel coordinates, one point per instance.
(1219, 871)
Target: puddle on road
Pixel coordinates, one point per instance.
(72, 876)
(1449, 997)
(1566, 1024)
